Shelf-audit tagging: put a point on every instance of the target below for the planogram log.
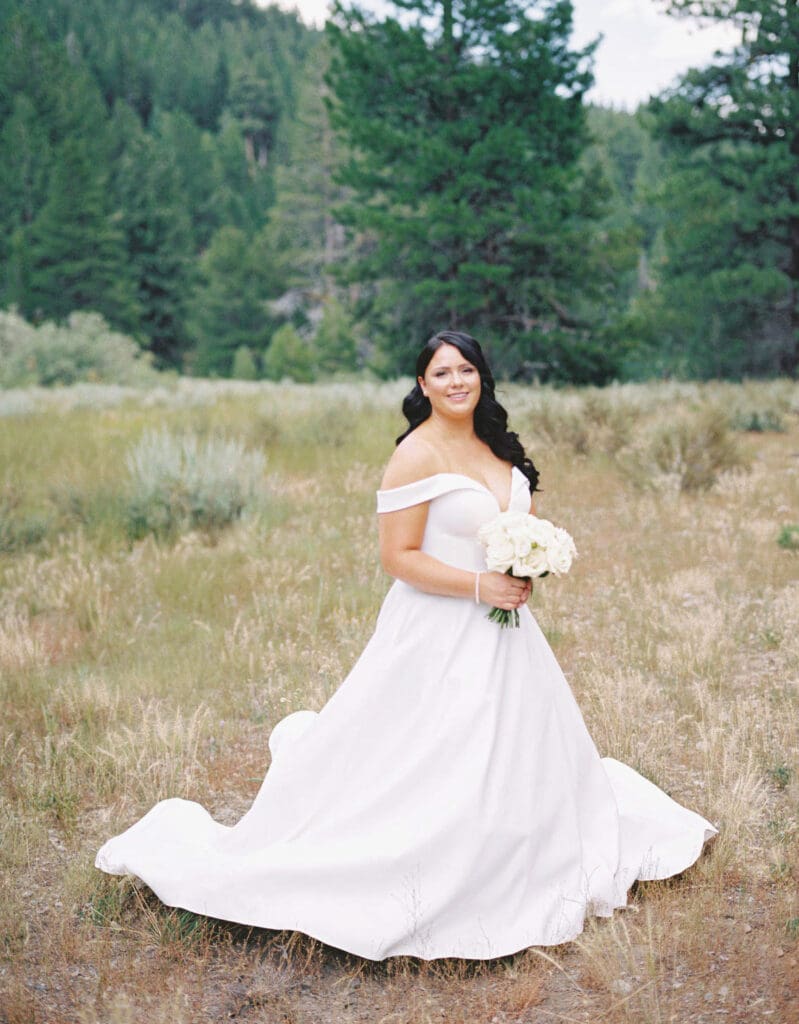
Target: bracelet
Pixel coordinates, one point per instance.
(477, 576)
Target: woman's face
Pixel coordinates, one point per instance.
(451, 383)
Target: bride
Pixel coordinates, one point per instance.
(447, 800)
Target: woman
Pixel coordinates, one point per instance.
(448, 800)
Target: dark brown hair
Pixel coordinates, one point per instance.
(490, 418)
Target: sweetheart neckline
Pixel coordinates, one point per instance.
(463, 476)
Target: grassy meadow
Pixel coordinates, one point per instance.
(182, 566)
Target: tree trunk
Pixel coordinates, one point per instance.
(447, 24)
(790, 361)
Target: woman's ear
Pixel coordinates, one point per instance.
(420, 382)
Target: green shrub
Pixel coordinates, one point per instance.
(83, 349)
(98, 509)
(559, 420)
(594, 421)
(19, 528)
(244, 365)
(179, 483)
(334, 342)
(612, 419)
(760, 406)
(789, 537)
(695, 449)
(757, 420)
(289, 356)
(780, 774)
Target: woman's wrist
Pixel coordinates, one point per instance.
(477, 576)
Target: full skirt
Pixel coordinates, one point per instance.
(447, 801)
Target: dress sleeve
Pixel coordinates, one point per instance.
(419, 491)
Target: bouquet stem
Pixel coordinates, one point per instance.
(506, 617)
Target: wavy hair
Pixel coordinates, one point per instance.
(490, 418)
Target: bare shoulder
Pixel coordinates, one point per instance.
(413, 459)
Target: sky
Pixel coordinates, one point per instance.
(642, 51)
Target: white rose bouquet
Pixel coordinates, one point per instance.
(524, 546)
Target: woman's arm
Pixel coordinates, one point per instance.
(401, 535)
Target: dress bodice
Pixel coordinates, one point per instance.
(459, 505)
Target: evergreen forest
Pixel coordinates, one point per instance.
(241, 195)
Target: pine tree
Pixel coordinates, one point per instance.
(243, 191)
(302, 223)
(728, 301)
(626, 158)
(244, 366)
(229, 306)
(193, 153)
(466, 126)
(255, 104)
(77, 248)
(334, 341)
(51, 111)
(158, 235)
(289, 356)
(25, 158)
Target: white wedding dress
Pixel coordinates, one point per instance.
(447, 800)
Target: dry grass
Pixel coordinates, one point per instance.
(133, 670)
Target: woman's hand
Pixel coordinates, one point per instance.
(503, 591)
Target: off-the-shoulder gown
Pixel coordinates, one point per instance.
(446, 801)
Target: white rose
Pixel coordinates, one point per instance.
(500, 554)
(486, 532)
(542, 532)
(513, 523)
(561, 552)
(534, 563)
(492, 531)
